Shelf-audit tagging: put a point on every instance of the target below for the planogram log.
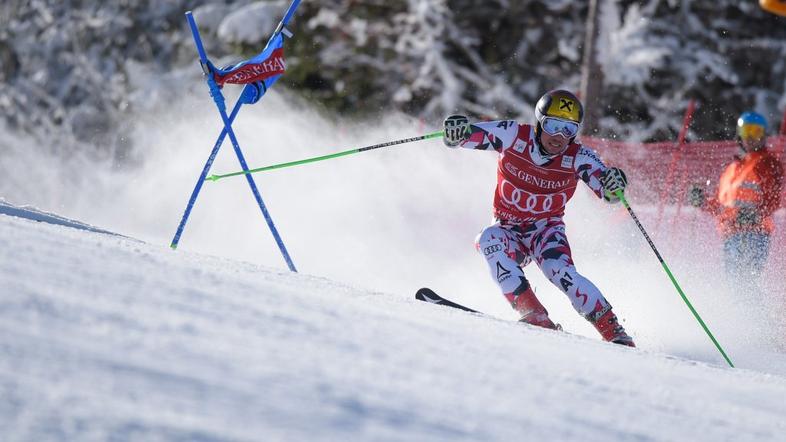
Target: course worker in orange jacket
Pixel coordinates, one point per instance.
(749, 191)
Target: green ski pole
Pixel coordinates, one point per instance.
(674, 281)
(326, 157)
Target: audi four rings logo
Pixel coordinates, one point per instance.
(491, 249)
(531, 202)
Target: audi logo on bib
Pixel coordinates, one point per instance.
(536, 203)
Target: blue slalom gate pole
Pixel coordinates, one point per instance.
(285, 20)
(201, 180)
(218, 98)
(206, 169)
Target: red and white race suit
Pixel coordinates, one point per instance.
(529, 202)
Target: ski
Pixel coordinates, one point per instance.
(428, 295)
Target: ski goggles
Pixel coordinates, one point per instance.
(556, 126)
(751, 132)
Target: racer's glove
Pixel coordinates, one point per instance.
(456, 130)
(613, 179)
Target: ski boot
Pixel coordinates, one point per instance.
(531, 310)
(605, 321)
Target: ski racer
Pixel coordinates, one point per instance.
(749, 191)
(538, 169)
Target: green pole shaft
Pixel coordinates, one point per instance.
(621, 196)
(326, 157)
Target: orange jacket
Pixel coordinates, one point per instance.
(752, 181)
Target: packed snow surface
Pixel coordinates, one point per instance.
(108, 338)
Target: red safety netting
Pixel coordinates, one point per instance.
(659, 175)
(663, 171)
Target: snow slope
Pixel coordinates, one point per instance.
(108, 338)
(395, 219)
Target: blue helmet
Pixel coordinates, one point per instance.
(751, 118)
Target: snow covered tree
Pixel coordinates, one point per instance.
(730, 56)
(67, 67)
